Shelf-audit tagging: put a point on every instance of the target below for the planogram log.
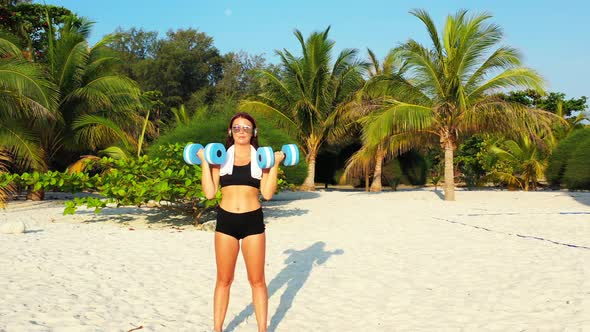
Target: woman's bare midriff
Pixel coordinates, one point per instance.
(239, 199)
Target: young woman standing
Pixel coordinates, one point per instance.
(239, 215)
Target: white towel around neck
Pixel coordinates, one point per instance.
(228, 166)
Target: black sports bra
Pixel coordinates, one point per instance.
(240, 177)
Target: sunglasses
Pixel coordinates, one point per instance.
(236, 129)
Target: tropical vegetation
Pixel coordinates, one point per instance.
(305, 96)
(461, 110)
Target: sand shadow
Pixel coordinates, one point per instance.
(152, 216)
(273, 212)
(293, 276)
(440, 194)
(155, 216)
(287, 197)
(294, 195)
(344, 190)
(173, 218)
(580, 196)
(34, 231)
(164, 217)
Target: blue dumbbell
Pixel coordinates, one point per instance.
(266, 158)
(190, 154)
(291, 154)
(215, 153)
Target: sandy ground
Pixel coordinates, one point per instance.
(336, 261)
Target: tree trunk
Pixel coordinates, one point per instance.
(309, 183)
(449, 172)
(376, 185)
(367, 178)
(38, 195)
(157, 121)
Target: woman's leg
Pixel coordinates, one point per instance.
(226, 254)
(254, 251)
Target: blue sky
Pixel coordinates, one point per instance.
(554, 36)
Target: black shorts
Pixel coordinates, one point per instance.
(239, 225)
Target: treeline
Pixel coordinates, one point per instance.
(420, 113)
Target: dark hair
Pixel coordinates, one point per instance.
(230, 139)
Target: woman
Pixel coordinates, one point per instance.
(239, 216)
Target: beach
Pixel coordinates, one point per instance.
(336, 261)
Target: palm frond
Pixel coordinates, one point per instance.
(97, 131)
(508, 178)
(180, 115)
(22, 144)
(397, 117)
(402, 142)
(375, 65)
(431, 28)
(114, 152)
(513, 78)
(71, 66)
(503, 57)
(76, 25)
(5, 191)
(264, 108)
(498, 116)
(25, 89)
(81, 164)
(9, 50)
(424, 67)
(99, 93)
(361, 161)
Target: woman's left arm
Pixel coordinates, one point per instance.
(268, 183)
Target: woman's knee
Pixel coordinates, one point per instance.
(225, 281)
(256, 282)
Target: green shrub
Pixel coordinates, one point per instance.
(168, 182)
(50, 181)
(392, 173)
(559, 159)
(468, 163)
(269, 135)
(408, 168)
(210, 126)
(204, 127)
(577, 170)
(338, 177)
(413, 167)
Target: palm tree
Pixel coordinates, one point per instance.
(370, 99)
(569, 124)
(97, 105)
(26, 96)
(446, 94)
(181, 115)
(305, 95)
(527, 161)
(5, 191)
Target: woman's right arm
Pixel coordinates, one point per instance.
(209, 176)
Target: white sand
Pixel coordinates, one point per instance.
(336, 261)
